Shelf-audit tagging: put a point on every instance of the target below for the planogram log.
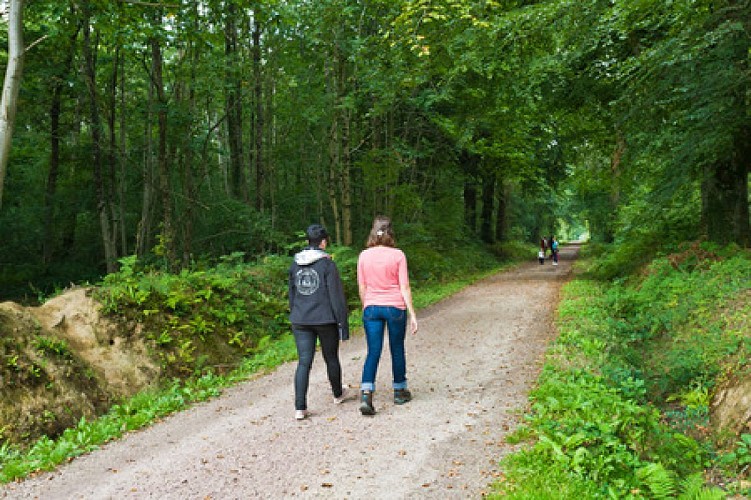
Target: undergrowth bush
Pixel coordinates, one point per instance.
(515, 250)
(431, 262)
(211, 316)
(203, 318)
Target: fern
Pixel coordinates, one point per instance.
(692, 488)
(658, 479)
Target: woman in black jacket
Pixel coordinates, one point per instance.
(318, 310)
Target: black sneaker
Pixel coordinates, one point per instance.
(402, 396)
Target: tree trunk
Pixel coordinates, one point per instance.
(270, 147)
(258, 114)
(233, 105)
(143, 237)
(51, 188)
(189, 185)
(725, 210)
(615, 192)
(470, 204)
(110, 257)
(122, 164)
(331, 185)
(488, 205)
(112, 180)
(58, 85)
(167, 230)
(501, 215)
(469, 164)
(346, 179)
(11, 85)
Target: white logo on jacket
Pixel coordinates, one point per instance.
(307, 281)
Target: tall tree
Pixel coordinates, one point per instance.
(11, 85)
(58, 84)
(258, 122)
(234, 104)
(167, 229)
(102, 193)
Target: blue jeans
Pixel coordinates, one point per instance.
(375, 319)
(305, 339)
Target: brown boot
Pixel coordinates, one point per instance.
(402, 396)
(366, 403)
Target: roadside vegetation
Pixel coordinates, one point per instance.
(215, 326)
(623, 407)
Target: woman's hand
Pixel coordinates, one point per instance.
(413, 324)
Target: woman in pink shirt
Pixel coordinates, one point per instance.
(383, 283)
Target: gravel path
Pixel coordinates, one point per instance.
(470, 369)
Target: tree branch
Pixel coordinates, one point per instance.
(36, 42)
(151, 4)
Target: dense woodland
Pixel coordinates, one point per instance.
(181, 131)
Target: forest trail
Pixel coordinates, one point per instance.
(470, 369)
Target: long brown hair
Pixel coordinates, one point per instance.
(382, 233)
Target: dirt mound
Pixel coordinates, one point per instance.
(63, 361)
(117, 355)
(731, 407)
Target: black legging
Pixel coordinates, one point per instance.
(305, 339)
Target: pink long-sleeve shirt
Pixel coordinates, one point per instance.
(382, 271)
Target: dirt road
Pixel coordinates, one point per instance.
(470, 368)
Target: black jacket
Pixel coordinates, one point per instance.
(316, 293)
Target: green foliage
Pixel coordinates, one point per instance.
(693, 488)
(514, 251)
(587, 428)
(659, 481)
(346, 262)
(205, 315)
(524, 480)
(739, 458)
(434, 260)
(46, 345)
(683, 312)
(622, 404)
